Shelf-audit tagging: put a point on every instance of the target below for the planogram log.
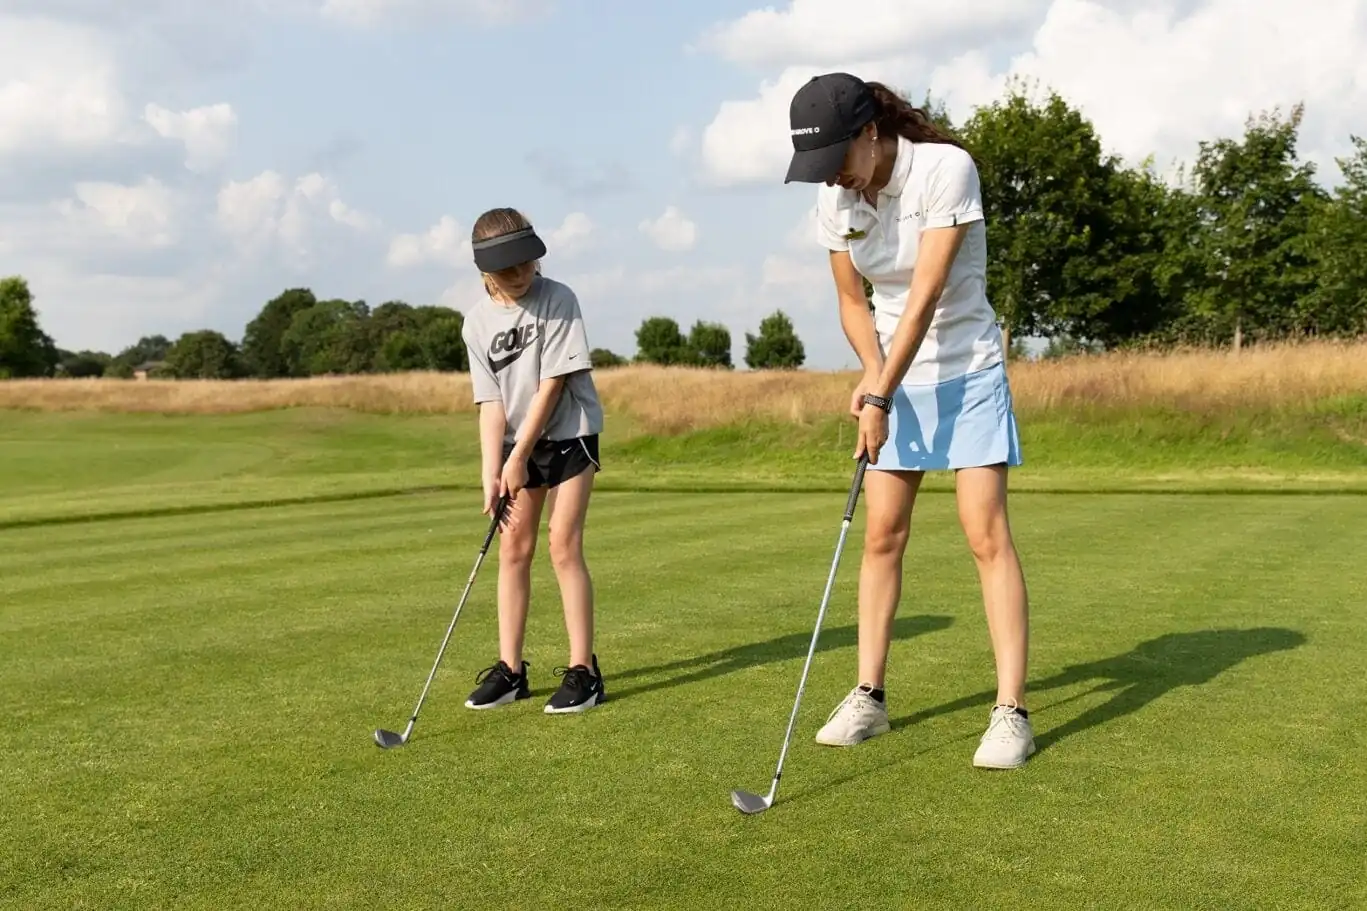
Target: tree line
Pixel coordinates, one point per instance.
(1083, 250)
(297, 335)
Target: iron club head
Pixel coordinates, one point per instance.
(387, 739)
(748, 803)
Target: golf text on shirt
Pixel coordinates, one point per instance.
(512, 349)
(933, 185)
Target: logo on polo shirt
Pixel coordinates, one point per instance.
(514, 342)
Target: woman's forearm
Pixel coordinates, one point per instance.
(937, 252)
(857, 322)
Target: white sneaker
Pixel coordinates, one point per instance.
(858, 717)
(1009, 740)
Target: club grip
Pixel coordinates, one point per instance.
(499, 509)
(855, 487)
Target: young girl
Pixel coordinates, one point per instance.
(539, 420)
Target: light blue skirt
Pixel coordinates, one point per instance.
(965, 422)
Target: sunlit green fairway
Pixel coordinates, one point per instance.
(189, 693)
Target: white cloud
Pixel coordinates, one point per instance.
(822, 32)
(58, 87)
(107, 310)
(445, 243)
(1155, 78)
(672, 231)
(267, 212)
(206, 132)
(572, 237)
(681, 141)
(370, 13)
(1159, 80)
(142, 215)
(463, 292)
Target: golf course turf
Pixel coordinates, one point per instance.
(203, 620)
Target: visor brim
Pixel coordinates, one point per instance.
(497, 254)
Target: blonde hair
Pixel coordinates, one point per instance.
(492, 223)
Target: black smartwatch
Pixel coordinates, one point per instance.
(878, 401)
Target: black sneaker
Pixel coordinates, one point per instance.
(580, 690)
(498, 685)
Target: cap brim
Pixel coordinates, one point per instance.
(513, 252)
(817, 165)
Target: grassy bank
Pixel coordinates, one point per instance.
(1278, 419)
(65, 466)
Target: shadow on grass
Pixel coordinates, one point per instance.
(1147, 672)
(740, 657)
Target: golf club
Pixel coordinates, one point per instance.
(387, 739)
(752, 803)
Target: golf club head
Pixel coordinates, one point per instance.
(387, 739)
(748, 803)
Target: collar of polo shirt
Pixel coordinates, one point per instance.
(897, 180)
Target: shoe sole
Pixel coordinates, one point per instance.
(876, 732)
(596, 699)
(505, 699)
(1006, 767)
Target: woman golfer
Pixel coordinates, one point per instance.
(900, 205)
(539, 420)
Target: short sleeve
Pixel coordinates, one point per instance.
(953, 192)
(482, 377)
(828, 230)
(565, 348)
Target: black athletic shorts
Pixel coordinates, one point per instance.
(553, 462)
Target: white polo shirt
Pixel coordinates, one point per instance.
(933, 185)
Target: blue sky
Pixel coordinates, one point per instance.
(168, 168)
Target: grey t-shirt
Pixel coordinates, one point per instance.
(512, 349)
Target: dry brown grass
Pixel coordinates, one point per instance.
(668, 400)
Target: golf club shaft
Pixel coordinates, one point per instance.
(820, 617)
(499, 510)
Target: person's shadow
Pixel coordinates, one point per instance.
(1138, 677)
(739, 657)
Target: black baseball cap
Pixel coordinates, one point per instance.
(503, 251)
(825, 114)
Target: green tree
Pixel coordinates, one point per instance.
(659, 341)
(441, 341)
(602, 357)
(401, 351)
(262, 342)
(777, 345)
(331, 337)
(202, 355)
(1140, 267)
(1070, 237)
(82, 364)
(1336, 244)
(710, 344)
(25, 349)
(150, 349)
(1254, 202)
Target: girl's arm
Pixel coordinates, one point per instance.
(543, 404)
(492, 424)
